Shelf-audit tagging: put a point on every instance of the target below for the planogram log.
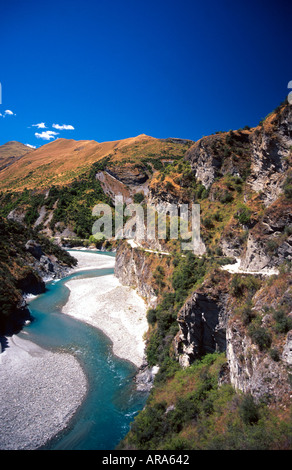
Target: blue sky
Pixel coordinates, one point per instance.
(116, 69)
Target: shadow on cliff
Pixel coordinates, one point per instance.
(3, 344)
(16, 321)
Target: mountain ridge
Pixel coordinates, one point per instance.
(65, 159)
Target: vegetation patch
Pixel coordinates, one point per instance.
(194, 413)
(16, 263)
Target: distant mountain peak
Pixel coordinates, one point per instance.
(11, 152)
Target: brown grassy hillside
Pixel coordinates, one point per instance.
(59, 162)
(12, 152)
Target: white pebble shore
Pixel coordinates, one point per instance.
(40, 392)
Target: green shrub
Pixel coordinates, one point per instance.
(207, 222)
(151, 316)
(153, 348)
(287, 187)
(186, 409)
(244, 215)
(249, 410)
(234, 182)
(241, 284)
(218, 251)
(148, 428)
(187, 273)
(218, 216)
(261, 336)
(272, 246)
(226, 197)
(199, 190)
(177, 443)
(247, 314)
(283, 322)
(274, 353)
(138, 198)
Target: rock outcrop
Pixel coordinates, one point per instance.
(133, 268)
(128, 175)
(270, 147)
(253, 371)
(46, 266)
(287, 350)
(217, 155)
(27, 261)
(202, 321)
(259, 155)
(208, 322)
(269, 243)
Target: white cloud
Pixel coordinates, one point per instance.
(63, 127)
(46, 135)
(31, 146)
(41, 125)
(7, 112)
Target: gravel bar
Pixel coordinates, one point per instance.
(40, 392)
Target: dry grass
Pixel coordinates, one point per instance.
(61, 161)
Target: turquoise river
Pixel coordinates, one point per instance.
(112, 401)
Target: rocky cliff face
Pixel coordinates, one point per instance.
(46, 266)
(253, 371)
(202, 323)
(40, 269)
(135, 268)
(260, 155)
(208, 322)
(25, 264)
(269, 242)
(216, 155)
(270, 148)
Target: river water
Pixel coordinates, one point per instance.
(112, 400)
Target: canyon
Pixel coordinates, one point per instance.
(231, 300)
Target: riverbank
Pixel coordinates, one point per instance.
(40, 392)
(87, 260)
(103, 302)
